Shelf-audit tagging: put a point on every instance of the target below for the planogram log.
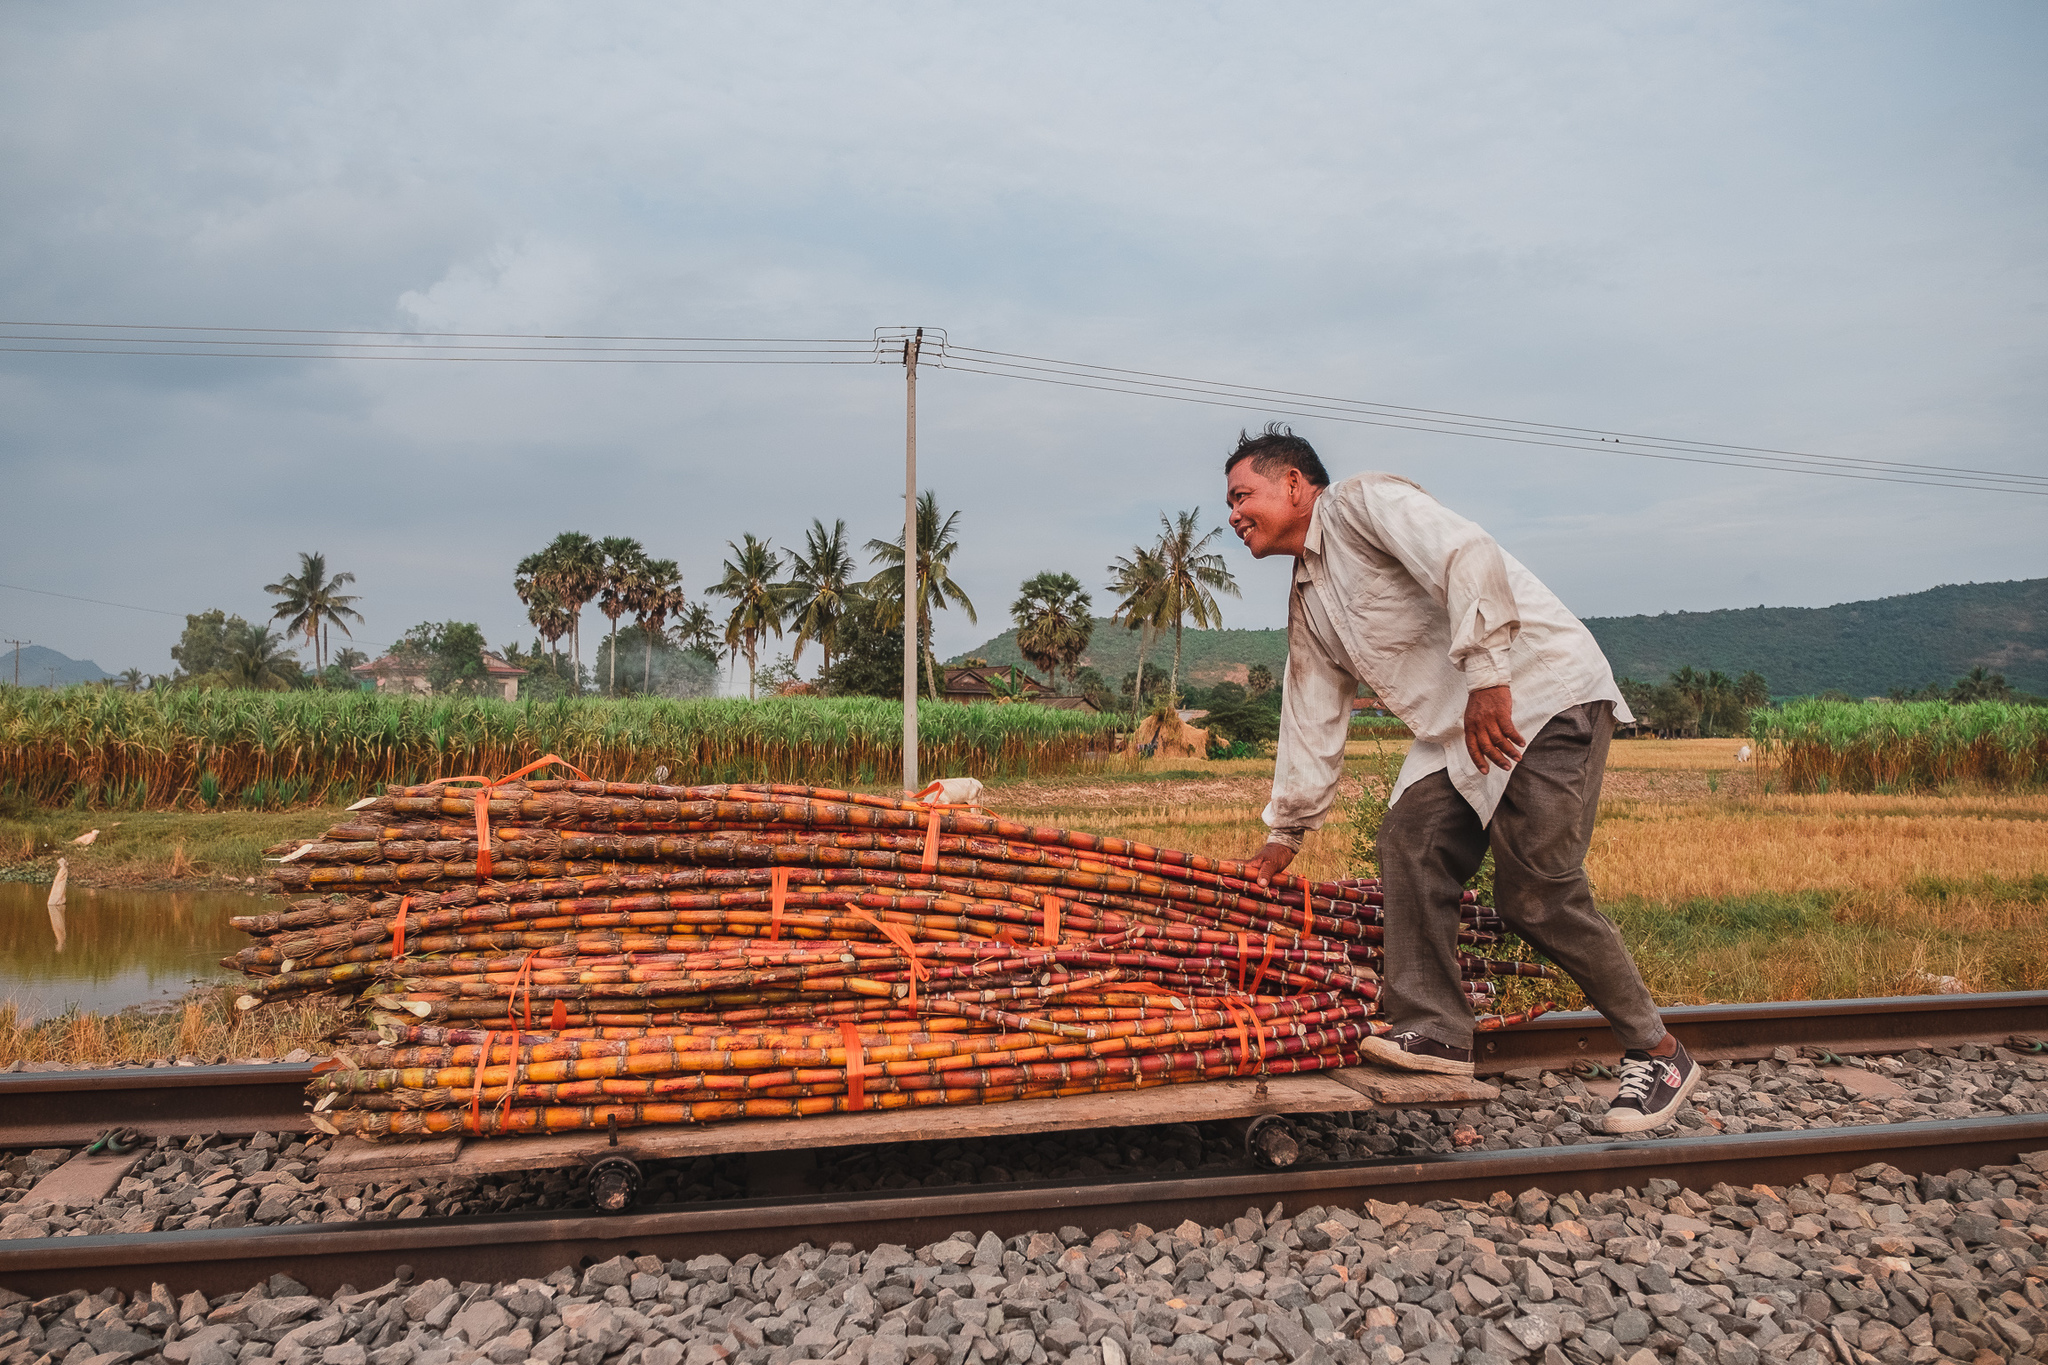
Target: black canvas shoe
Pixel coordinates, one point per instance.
(1652, 1088)
(1411, 1051)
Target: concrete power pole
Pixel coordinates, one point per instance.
(910, 583)
(17, 658)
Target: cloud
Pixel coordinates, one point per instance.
(1818, 228)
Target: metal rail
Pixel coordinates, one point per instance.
(68, 1108)
(507, 1246)
(1747, 1032)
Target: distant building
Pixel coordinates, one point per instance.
(971, 683)
(393, 673)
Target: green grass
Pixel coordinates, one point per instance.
(1822, 746)
(94, 750)
(148, 845)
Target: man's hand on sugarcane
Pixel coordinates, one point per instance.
(1490, 733)
(1271, 862)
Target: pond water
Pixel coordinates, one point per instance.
(108, 949)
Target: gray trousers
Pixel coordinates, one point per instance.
(1432, 843)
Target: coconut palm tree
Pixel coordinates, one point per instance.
(625, 559)
(133, 680)
(936, 545)
(1053, 625)
(1140, 578)
(757, 599)
(256, 659)
(571, 569)
(657, 595)
(309, 601)
(697, 629)
(1194, 574)
(820, 590)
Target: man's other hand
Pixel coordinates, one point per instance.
(1271, 862)
(1490, 733)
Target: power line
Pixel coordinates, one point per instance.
(155, 611)
(1841, 467)
(205, 342)
(1143, 378)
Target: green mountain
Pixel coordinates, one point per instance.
(1862, 648)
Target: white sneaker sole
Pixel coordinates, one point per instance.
(1387, 1054)
(1623, 1121)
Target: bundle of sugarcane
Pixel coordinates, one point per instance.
(549, 955)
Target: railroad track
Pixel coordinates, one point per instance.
(501, 1247)
(35, 1107)
(68, 1108)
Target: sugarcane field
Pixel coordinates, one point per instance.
(689, 684)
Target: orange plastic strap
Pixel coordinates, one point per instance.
(778, 897)
(476, 1093)
(522, 978)
(398, 930)
(1244, 1043)
(1307, 908)
(1052, 922)
(931, 840)
(900, 936)
(1259, 978)
(856, 1082)
(483, 802)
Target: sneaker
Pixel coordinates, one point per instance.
(1651, 1090)
(1411, 1051)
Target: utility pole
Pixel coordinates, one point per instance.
(911, 346)
(17, 658)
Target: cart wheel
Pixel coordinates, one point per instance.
(614, 1184)
(1270, 1140)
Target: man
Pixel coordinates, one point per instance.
(1473, 653)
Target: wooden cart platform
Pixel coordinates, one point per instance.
(354, 1162)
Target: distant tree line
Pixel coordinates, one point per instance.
(1692, 704)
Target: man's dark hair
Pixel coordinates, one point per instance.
(1278, 448)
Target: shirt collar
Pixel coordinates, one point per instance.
(1312, 542)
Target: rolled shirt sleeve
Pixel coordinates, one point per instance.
(1315, 720)
(1464, 570)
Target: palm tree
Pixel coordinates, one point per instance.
(132, 679)
(624, 560)
(1053, 624)
(309, 602)
(657, 595)
(820, 593)
(697, 628)
(1141, 577)
(936, 545)
(571, 570)
(756, 597)
(1194, 574)
(257, 659)
(551, 620)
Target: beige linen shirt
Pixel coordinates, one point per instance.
(1394, 590)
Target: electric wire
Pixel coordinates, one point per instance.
(206, 342)
(1144, 379)
(1531, 440)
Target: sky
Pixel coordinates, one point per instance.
(1809, 227)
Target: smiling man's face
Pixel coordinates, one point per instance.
(1270, 515)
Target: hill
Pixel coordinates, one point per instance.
(1862, 648)
(37, 661)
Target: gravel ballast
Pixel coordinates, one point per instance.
(1874, 1266)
